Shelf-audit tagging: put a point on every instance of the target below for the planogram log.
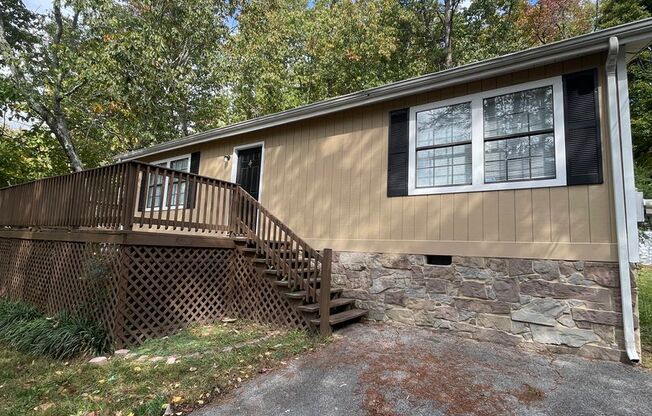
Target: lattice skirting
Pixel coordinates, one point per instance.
(138, 291)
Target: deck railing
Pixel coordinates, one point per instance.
(134, 196)
(169, 199)
(120, 197)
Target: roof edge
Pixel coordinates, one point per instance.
(630, 33)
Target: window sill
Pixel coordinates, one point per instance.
(165, 208)
(483, 187)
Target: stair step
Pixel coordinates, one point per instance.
(277, 243)
(335, 303)
(249, 249)
(302, 293)
(295, 264)
(295, 253)
(272, 272)
(285, 283)
(345, 316)
(298, 261)
(240, 239)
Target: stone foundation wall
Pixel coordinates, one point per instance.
(568, 307)
(645, 248)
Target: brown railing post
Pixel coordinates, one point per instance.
(325, 294)
(236, 210)
(130, 184)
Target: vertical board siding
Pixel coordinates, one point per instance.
(523, 214)
(559, 207)
(476, 217)
(490, 216)
(326, 178)
(506, 216)
(578, 207)
(447, 218)
(461, 215)
(434, 217)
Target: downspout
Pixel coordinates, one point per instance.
(619, 201)
(631, 202)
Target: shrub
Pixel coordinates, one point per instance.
(11, 312)
(63, 336)
(645, 304)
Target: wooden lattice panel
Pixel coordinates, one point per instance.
(256, 298)
(140, 291)
(170, 287)
(62, 276)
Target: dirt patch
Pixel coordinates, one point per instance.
(529, 394)
(419, 376)
(408, 374)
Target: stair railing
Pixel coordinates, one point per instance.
(286, 252)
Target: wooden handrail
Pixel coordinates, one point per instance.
(298, 262)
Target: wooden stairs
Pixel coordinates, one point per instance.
(306, 294)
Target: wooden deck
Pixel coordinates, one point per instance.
(167, 219)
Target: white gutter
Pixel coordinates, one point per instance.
(619, 200)
(630, 33)
(631, 203)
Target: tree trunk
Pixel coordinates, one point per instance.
(448, 32)
(60, 130)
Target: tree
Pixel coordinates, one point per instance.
(639, 74)
(107, 76)
(159, 68)
(28, 155)
(553, 20)
(492, 28)
(41, 75)
(613, 13)
(447, 17)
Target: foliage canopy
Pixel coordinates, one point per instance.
(99, 77)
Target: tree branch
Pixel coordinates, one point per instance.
(74, 89)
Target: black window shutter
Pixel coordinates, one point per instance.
(399, 147)
(582, 124)
(192, 191)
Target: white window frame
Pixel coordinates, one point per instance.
(477, 141)
(165, 183)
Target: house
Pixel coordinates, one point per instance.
(495, 199)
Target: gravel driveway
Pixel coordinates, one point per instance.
(375, 369)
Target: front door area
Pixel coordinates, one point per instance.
(248, 170)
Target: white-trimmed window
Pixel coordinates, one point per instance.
(158, 185)
(506, 138)
(443, 148)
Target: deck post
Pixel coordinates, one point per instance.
(130, 181)
(325, 294)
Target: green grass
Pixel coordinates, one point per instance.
(644, 283)
(48, 387)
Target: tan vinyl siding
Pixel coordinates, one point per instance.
(327, 178)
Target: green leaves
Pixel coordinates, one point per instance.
(131, 73)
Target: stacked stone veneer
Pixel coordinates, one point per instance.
(645, 248)
(564, 306)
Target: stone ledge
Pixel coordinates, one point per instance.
(598, 317)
